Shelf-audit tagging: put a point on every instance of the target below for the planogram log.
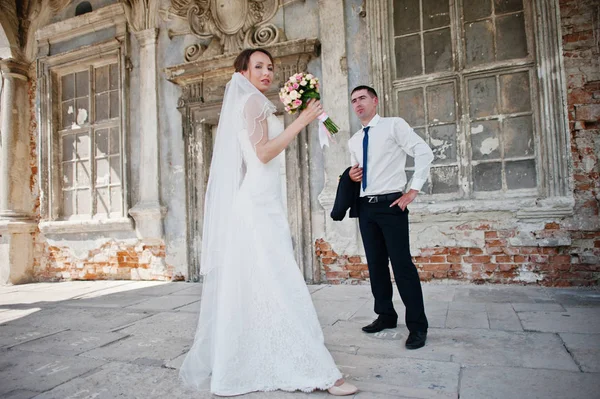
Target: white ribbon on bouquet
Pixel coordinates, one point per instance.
(324, 135)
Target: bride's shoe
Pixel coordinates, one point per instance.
(342, 390)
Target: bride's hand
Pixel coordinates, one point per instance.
(312, 110)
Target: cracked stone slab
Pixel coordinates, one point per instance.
(343, 293)
(330, 311)
(15, 335)
(108, 301)
(19, 394)
(467, 319)
(165, 325)
(586, 350)
(502, 316)
(400, 376)
(162, 303)
(124, 380)
(193, 307)
(141, 350)
(538, 307)
(9, 315)
(501, 348)
(80, 319)
(70, 343)
(573, 320)
(190, 289)
(506, 382)
(389, 343)
(39, 371)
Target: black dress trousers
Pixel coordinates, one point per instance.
(384, 231)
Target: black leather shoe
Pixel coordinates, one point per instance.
(416, 340)
(378, 325)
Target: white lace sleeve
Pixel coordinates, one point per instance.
(256, 112)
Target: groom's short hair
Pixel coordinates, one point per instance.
(369, 90)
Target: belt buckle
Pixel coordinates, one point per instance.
(373, 199)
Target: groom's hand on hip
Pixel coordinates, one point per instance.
(406, 199)
(356, 173)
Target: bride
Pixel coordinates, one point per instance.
(258, 329)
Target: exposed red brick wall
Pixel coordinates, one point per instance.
(112, 261)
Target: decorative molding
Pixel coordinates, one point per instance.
(146, 37)
(141, 14)
(86, 226)
(229, 25)
(378, 17)
(94, 21)
(553, 117)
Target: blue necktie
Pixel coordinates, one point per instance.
(365, 154)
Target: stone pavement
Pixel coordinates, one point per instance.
(109, 339)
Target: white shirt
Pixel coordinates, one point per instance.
(390, 141)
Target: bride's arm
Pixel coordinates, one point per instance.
(267, 149)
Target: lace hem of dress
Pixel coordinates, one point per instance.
(322, 386)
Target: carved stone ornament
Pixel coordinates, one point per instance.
(237, 24)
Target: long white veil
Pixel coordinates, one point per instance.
(244, 109)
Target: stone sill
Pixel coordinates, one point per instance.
(17, 226)
(86, 226)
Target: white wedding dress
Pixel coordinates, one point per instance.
(258, 329)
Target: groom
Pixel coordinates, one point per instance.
(378, 152)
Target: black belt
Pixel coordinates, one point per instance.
(373, 199)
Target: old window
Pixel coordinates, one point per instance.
(462, 77)
(90, 142)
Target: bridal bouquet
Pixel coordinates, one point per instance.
(298, 91)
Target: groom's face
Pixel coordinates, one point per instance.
(364, 104)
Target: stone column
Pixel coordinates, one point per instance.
(343, 236)
(16, 205)
(148, 212)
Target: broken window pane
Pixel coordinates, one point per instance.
(102, 107)
(443, 143)
(521, 174)
(436, 13)
(518, 137)
(83, 145)
(102, 172)
(438, 51)
(485, 141)
(408, 56)
(101, 79)
(444, 179)
(487, 176)
(407, 17)
(101, 142)
(511, 41)
(82, 84)
(482, 97)
(67, 171)
(479, 42)
(503, 6)
(82, 116)
(514, 90)
(67, 87)
(68, 114)
(476, 9)
(410, 107)
(441, 103)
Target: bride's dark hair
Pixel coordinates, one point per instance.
(241, 61)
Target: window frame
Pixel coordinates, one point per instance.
(548, 96)
(49, 70)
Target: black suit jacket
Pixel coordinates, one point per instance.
(347, 195)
